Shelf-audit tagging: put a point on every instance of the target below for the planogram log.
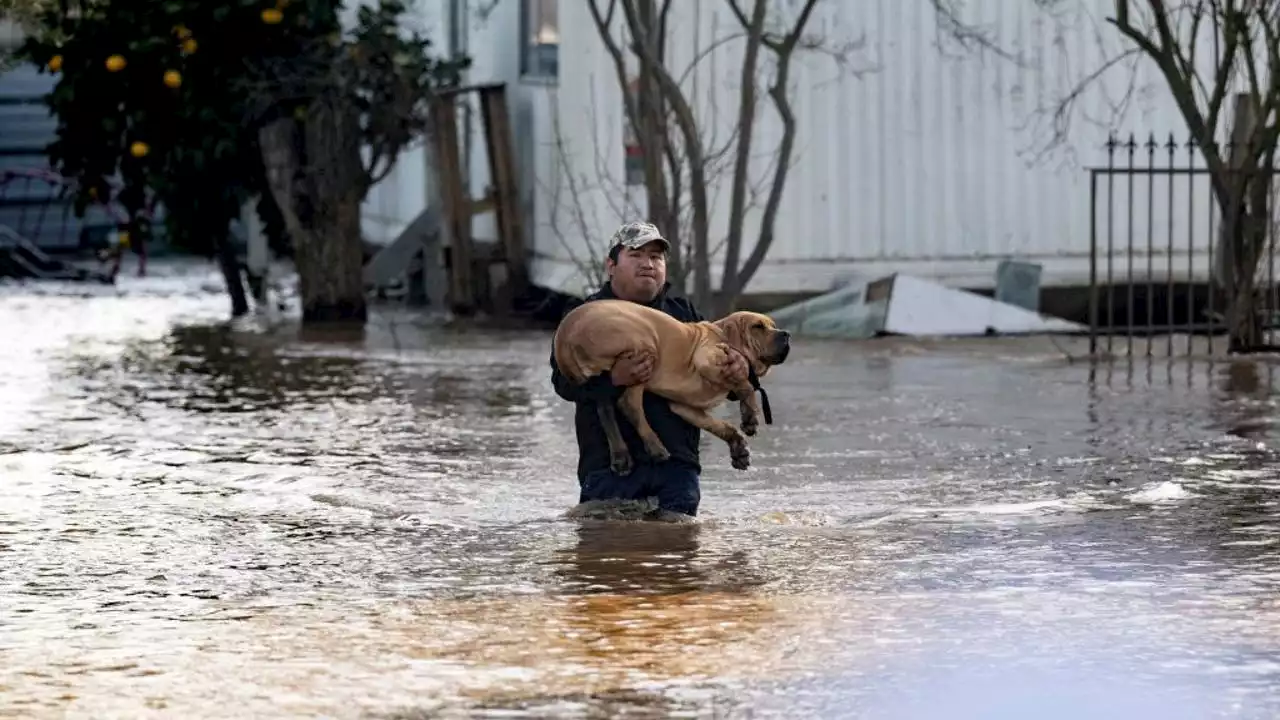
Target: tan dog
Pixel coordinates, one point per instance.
(687, 362)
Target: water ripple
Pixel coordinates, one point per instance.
(205, 519)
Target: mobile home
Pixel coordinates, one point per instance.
(915, 152)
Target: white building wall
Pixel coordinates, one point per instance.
(915, 155)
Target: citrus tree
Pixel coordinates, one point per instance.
(171, 97)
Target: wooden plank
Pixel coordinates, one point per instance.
(480, 206)
(502, 171)
(486, 253)
(457, 218)
(463, 89)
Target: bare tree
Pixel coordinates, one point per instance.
(577, 181)
(670, 132)
(671, 126)
(647, 115)
(1243, 38)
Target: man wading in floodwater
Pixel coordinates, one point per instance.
(637, 270)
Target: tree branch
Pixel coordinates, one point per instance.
(1164, 52)
(745, 131)
(784, 51)
(685, 119)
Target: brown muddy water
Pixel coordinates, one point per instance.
(204, 521)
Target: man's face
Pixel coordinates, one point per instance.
(639, 274)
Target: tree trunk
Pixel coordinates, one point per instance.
(1244, 330)
(316, 176)
(651, 127)
(330, 266)
(730, 286)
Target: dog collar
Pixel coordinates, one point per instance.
(754, 379)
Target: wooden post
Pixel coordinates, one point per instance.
(456, 206)
(502, 173)
(469, 265)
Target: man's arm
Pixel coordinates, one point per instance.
(598, 388)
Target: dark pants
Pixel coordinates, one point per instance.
(675, 484)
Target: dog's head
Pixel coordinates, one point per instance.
(757, 337)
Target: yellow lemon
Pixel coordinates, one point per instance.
(139, 149)
(189, 45)
(55, 63)
(272, 16)
(182, 32)
(173, 79)
(116, 63)
(123, 238)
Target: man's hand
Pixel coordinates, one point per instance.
(631, 370)
(734, 372)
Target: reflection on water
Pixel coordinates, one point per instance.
(201, 519)
(649, 558)
(1246, 394)
(215, 369)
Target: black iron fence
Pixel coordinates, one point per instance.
(1159, 282)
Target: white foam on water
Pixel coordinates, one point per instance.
(1032, 510)
(1243, 473)
(805, 518)
(1249, 543)
(1165, 491)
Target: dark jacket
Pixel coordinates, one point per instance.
(680, 438)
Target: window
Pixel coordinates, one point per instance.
(540, 28)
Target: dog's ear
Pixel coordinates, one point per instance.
(741, 332)
(735, 331)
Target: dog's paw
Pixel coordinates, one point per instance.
(620, 464)
(750, 426)
(658, 453)
(740, 455)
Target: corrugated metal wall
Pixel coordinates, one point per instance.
(913, 155)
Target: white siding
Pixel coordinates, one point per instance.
(405, 192)
(916, 157)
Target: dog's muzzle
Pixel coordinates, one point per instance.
(781, 347)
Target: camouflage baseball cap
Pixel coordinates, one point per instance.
(635, 235)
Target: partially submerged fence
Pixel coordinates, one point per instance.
(1158, 277)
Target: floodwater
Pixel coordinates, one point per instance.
(204, 521)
